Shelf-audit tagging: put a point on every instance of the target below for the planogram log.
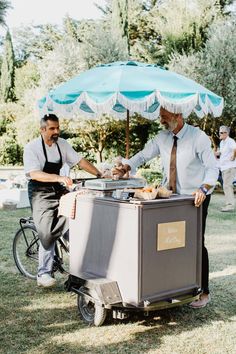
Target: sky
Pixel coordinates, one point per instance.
(36, 12)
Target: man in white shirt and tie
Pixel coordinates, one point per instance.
(196, 171)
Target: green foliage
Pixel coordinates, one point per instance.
(215, 68)
(27, 127)
(120, 24)
(104, 139)
(219, 64)
(60, 64)
(35, 41)
(186, 32)
(156, 32)
(101, 46)
(19, 125)
(71, 28)
(4, 6)
(48, 56)
(11, 151)
(141, 130)
(8, 113)
(7, 71)
(188, 65)
(152, 177)
(26, 78)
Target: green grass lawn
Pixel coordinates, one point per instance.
(36, 321)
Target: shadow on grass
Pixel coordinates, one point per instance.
(29, 327)
(37, 321)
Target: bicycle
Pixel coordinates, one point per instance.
(26, 247)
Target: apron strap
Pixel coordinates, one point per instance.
(45, 152)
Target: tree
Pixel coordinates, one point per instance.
(7, 71)
(35, 41)
(26, 78)
(11, 151)
(186, 32)
(71, 28)
(120, 22)
(100, 46)
(95, 136)
(155, 31)
(219, 71)
(4, 6)
(60, 64)
(105, 138)
(215, 68)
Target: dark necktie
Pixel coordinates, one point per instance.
(172, 178)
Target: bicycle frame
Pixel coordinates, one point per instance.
(58, 258)
(22, 222)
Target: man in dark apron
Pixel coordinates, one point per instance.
(43, 160)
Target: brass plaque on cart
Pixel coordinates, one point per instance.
(170, 235)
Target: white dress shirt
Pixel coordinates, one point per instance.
(227, 148)
(195, 160)
(34, 158)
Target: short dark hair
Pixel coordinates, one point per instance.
(43, 121)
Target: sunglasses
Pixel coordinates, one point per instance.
(223, 132)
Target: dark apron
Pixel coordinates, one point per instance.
(44, 200)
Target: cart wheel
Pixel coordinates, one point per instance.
(90, 312)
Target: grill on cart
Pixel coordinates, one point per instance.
(111, 184)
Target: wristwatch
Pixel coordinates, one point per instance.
(203, 189)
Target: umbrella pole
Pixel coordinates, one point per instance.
(127, 135)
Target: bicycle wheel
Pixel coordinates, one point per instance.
(25, 251)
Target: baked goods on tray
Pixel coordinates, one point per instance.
(149, 193)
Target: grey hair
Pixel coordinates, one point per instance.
(225, 128)
(43, 121)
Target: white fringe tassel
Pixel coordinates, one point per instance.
(184, 106)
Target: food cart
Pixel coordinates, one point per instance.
(133, 255)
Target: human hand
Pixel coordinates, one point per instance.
(67, 181)
(199, 197)
(232, 158)
(118, 171)
(121, 171)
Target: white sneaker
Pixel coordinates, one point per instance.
(228, 207)
(46, 281)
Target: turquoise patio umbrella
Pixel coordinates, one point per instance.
(123, 88)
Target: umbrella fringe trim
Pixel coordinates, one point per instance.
(186, 106)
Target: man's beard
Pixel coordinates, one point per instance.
(54, 138)
(171, 126)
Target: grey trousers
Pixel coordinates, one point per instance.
(49, 224)
(44, 203)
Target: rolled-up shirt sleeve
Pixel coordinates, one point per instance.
(31, 161)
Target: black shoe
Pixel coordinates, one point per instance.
(66, 236)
